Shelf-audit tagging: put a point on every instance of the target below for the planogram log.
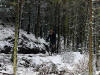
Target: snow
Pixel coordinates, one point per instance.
(5, 32)
(32, 39)
(42, 61)
(28, 40)
(41, 40)
(97, 72)
(4, 43)
(28, 71)
(78, 56)
(29, 36)
(33, 64)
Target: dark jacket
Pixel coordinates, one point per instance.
(52, 38)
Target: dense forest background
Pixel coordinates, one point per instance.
(69, 19)
(25, 25)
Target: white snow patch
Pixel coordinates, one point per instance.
(97, 72)
(29, 40)
(39, 59)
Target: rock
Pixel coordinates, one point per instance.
(7, 49)
(27, 50)
(27, 43)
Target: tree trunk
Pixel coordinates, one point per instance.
(90, 42)
(58, 23)
(37, 26)
(16, 38)
(28, 30)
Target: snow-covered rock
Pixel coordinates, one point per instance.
(27, 43)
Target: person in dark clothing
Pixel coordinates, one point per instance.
(52, 39)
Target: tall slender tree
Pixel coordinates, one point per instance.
(16, 37)
(37, 26)
(90, 41)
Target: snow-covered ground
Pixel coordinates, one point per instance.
(42, 64)
(70, 63)
(67, 63)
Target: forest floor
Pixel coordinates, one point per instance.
(41, 64)
(67, 63)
